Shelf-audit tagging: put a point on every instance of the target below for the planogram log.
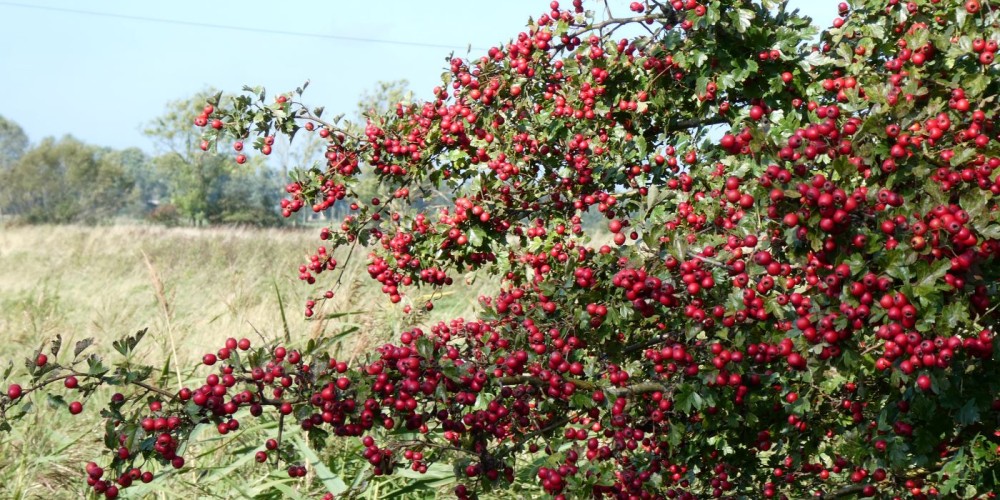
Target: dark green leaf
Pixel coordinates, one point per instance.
(56, 345)
(969, 414)
(82, 346)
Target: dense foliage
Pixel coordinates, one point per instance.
(796, 298)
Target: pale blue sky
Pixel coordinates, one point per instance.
(100, 77)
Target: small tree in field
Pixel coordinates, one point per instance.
(796, 298)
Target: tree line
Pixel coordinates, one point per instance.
(65, 180)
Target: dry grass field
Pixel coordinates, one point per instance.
(192, 288)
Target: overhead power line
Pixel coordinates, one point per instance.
(179, 22)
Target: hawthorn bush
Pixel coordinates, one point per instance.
(796, 298)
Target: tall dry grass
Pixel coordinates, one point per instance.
(192, 288)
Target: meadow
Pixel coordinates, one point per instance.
(192, 288)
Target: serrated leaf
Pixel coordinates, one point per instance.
(814, 59)
(742, 19)
(56, 345)
(968, 414)
(963, 156)
(931, 279)
(82, 346)
(991, 232)
(476, 237)
(652, 196)
(425, 347)
(640, 144)
(55, 400)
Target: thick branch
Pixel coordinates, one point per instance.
(696, 122)
(634, 389)
(646, 343)
(845, 491)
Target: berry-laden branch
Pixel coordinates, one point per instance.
(826, 264)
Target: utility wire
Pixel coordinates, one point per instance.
(239, 28)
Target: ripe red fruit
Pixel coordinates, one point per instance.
(14, 391)
(75, 407)
(972, 6)
(924, 382)
(791, 219)
(41, 360)
(796, 361)
(241, 159)
(70, 382)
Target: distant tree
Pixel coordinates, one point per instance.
(66, 180)
(204, 186)
(13, 142)
(148, 186)
(380, 100)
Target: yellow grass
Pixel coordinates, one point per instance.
(192, 288)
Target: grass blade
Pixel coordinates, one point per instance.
(281, 307)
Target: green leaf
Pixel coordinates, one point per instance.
(55, 400)
(652, 197)
(963, 156)
(969, 414)
(640, 144)
(742, 19)
(94, 366)
(332, 482)
(425, 347)
(688, 399)
(127, 344)
(476, 237)
(991, 232)
(931, 280)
